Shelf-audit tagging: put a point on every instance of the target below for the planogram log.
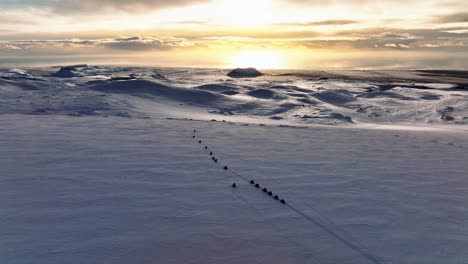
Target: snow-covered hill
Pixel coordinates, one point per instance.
(288, 98)
(106, 166)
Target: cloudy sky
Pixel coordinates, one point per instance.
(353, 34)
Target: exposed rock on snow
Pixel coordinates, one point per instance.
(244, 73)
(123, 78)
(76, 66)
(65, 72)
(447, 117)
(447, 109)
(159, 76)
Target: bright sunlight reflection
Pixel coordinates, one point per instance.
(243, 13)
(257, 59)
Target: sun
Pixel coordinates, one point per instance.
(256, 59)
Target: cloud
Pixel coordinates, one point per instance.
(8, 20)
(360, 3)
(128, 39)
(396, 36)
(194, 22)
(397, 46)
(429, 45)
(453, 18)
(7, 46)
(387, 39)
(331, 22)
(137, 43)
(93, 6)
(124, 44)
(366, 39)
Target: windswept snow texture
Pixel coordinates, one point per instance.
(101, 166)
(281, 98)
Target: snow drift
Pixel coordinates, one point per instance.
(151, 88)
(115, 165)
(282, 99)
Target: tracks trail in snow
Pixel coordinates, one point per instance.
(325, 223)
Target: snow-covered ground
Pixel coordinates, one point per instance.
(102, 166)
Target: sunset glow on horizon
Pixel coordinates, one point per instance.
(354, 34)
(257, 59)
